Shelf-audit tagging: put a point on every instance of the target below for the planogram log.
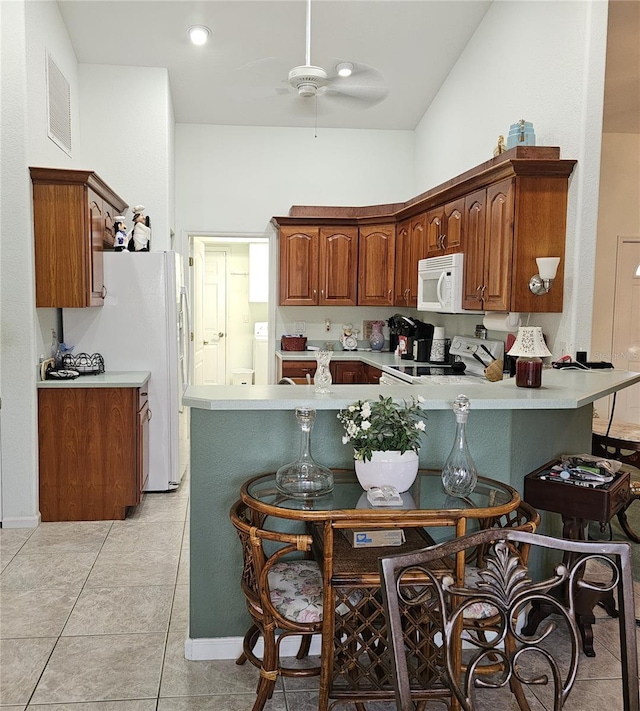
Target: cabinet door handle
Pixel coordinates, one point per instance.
(220, 334)
(479, 292)
(389, 294)
(149, 415)
(322, 293)
(205, 343)
(103, 293)
(443, 239)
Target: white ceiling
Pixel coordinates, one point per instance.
(239, 77)
(234, 79)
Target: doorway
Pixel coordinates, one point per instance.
(625, 346)
(231, 295)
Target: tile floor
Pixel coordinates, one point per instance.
(93, 617)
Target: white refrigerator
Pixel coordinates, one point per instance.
(144, 325)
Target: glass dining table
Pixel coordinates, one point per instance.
(355, 660)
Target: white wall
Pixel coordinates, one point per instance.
(127, 138)
(28, 29)
(544, 62)
(235, 178)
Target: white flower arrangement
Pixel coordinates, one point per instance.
(383, 425)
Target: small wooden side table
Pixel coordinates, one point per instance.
(578, 505)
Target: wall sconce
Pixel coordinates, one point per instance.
(547, 268)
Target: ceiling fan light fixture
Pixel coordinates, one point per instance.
(344, 69)
(199, 34)
(307, 79)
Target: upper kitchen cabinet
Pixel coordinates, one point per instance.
(318, 266)
(444, 228)
(376, 265)
(73, 217)
(501, 214)
(410, 249)
(488, 259)
(508, 225)
(338, 266)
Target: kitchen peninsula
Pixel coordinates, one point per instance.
(240, 431)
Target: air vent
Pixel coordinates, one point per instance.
(58, 106)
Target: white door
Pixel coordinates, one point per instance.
(198, 310)
(214, 317)
(626, 326)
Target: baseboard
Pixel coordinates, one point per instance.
(203, 648)
(21, 521)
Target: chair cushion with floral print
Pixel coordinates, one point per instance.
(477, 610)
(296, 590)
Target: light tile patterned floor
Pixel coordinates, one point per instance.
(93, 618)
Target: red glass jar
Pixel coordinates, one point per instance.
(528, 372)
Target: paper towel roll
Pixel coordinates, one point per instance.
(437, 347)
(507, 322)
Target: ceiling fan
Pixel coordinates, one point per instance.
(347, 82)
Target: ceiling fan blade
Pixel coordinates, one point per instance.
(272, 69)
(362, 72)
(359, 94)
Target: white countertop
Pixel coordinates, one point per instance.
(113, 379)
(561, 390)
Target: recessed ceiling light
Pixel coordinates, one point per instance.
(199, 34)
(344, 69)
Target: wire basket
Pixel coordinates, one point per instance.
(84, 363)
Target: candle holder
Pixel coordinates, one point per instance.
(529, 348)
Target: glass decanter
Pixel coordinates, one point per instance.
(322, 377)
(304, 478)
(459, 474)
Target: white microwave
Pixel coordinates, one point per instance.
(440, 284)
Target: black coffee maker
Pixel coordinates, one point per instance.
(401, 332)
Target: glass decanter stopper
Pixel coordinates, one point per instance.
(304, 477)
(459, 474)
(322, 377)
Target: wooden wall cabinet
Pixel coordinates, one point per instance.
(73, 217)
(411, 247)
(501, 214)
(444, 227)
(508, 225)
(318, 266)
(93, 451)
(376, 265)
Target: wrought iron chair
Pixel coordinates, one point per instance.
(283, 597)
(504, 584)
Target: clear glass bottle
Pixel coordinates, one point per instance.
(459, 474)
(304, 478)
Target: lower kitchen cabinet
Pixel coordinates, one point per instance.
(349, 372)
(93, 451)
(346, 372)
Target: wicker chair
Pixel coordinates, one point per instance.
(504, 584)
(283, 597)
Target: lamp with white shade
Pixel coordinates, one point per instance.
(529, 348)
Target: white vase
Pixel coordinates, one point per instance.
(388, 468)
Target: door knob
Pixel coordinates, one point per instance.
(220, 334)
(205, 343)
